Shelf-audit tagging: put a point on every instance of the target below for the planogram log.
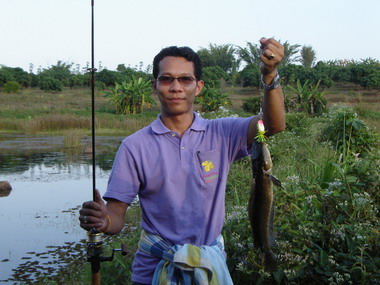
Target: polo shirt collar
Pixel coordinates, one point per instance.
(159, 128)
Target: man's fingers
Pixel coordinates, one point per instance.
(90, 219)
(90, 205)
(271, 43)
(271, 49)
(89, 225)
(272, 52)
(92, 213)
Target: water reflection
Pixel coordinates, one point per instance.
(40, 232)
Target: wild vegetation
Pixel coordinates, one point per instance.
(327, 216)
(328, 159)
(327, 210)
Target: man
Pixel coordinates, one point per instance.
(179, 164)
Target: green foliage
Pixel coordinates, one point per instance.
(59, 72)
(350, 135)
(131, 97)
(81, 80)
(12, 87)
(211, 99)
(252, 105)
(313, 76)
(219, 55)
(327, 216)
(289, 73)
(107, 77)
(50, 84)
(290, 53)
(213, 75)
(309, 98)
(250, 54)
(250, 76)
(290, 101)
(367, 73)
(125, 74)
(16, 74)
(5, 75)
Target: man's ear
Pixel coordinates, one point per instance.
(154, 86)
(200, 85)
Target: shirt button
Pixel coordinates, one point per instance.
(173, 134)
(182, 147)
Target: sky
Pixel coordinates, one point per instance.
(127, 32)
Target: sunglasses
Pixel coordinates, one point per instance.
(183, 80)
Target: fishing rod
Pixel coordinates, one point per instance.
(94, 237)
(93, 70)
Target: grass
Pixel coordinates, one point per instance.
(327, 217)
(72, 138)
(34, 112)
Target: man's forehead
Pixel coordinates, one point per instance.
(176, 64)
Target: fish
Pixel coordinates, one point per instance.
(261, 204)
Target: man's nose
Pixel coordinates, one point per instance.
(175, 85)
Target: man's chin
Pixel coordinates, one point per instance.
(171, 112)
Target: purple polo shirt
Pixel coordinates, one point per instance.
(180, 181)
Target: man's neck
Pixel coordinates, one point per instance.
(178, 123)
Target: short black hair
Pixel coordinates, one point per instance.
(185, 52)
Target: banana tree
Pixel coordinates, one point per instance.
(309, 97)
(131, 97)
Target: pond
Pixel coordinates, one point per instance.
(40, 231)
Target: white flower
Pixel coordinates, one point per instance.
(260, 126)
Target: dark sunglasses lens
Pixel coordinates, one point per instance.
(185, 79)
(165, 79)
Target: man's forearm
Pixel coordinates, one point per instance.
(116, 217)
(273, 106)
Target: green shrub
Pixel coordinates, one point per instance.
(5, 75)
(252, 105)
(213, 75)
(211, 99)
(350, 135)
(250, 76)
(327, 216)
(50, 84)
(12, 87)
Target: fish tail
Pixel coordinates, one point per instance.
(270, 261)
(271, 235)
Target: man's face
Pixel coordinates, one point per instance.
(176, 96)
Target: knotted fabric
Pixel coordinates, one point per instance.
(186, 264)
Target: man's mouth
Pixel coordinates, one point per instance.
(176, 99)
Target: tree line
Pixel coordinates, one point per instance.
(238, 66)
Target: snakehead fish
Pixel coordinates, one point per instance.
(260, 206)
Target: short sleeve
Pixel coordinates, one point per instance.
(124, 182)
(236, 132)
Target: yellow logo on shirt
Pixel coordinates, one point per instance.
(207, 165)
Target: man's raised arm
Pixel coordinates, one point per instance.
(273, 102)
